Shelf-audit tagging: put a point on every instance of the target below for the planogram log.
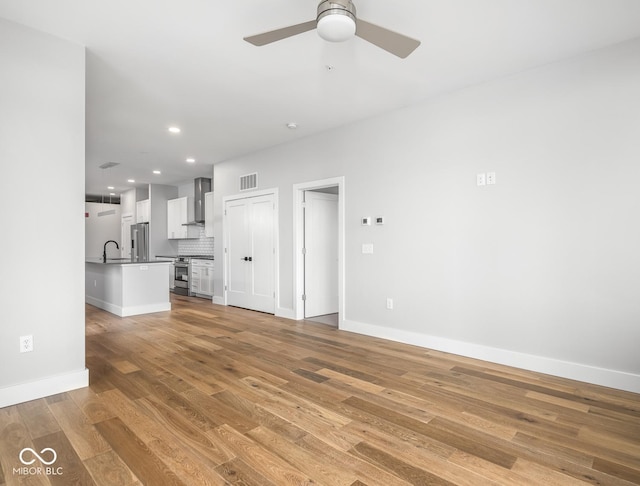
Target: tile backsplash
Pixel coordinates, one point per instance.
(200, 246)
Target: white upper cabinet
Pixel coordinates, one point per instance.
(143, 211)
(179, 213)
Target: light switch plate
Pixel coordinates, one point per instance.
(379, 220)
(366, 221)
(491, 178)
(481, 179)
(367, 248)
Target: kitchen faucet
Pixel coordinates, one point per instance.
(104, 251)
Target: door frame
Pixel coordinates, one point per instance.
(276, 232)
(298, 242)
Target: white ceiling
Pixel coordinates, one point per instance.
(156, 63)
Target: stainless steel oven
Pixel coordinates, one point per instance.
(181, 275)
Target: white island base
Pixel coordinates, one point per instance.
(127, 289)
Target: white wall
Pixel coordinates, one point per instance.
(41, 151)
(540, 271)
(100, 229)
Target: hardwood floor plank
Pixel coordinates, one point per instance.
(262, 461)
(632, 409)
(310, 417)
(164, 425)
(38, 418)
(260, 415)
(545, 455)
(69, 468)
(617, 470)
(458, 439)
(412, 474)
(107, 469)
(364, 470)
(192, 470)
(82, 435)
(238, 472)
(313, 465)
(219, 412)
(91, 404)
(541, 475)
(136, 454)
(14, 437)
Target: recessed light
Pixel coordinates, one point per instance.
(191, 160)
(157, 172)
(112, 194)
(111, 188)
(174, 129)
(292, 125)
(131, 180)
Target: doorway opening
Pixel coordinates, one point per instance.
(319, 250)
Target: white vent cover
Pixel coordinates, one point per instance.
(249, 181)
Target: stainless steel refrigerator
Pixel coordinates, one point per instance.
(140, 242)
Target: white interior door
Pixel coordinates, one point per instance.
(321, 253)
(250, 252)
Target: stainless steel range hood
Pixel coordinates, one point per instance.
(202, 185)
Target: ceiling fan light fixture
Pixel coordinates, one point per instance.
(336, 20)
(336, 28)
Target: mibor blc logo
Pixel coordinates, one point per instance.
(47, 458)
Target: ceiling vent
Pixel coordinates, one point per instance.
(249, 181)
(108, 165)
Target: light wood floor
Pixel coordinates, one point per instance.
(212, 395)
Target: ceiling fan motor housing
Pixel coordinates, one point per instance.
(336, 20)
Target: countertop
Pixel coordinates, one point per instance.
(122, 261)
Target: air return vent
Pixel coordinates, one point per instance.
(249, 181)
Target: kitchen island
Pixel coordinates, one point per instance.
(127, 288)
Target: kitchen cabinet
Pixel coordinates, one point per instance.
(179, 213)
(143, 211)
(208, 214)
(201, 279)
(126, 288)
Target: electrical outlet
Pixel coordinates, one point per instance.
(491, 178)
(26, 344)
(481, 179)
(389, 303)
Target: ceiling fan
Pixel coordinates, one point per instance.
(336, 21)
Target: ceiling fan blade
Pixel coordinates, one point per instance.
(397, 44)
(279, 34)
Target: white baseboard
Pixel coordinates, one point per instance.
(217, 299)
(575, 371)
(34, 390)
(101, 304)
(286, 313)
(137, 310)
(130, 310)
